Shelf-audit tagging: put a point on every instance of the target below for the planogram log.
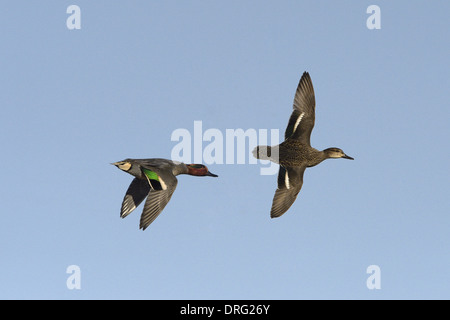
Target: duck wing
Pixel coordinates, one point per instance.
(154, 205)
(301, 122)
(136, 193)
(162, 186)
(290, 181)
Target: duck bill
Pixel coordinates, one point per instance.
(348, 157)
(209, 174)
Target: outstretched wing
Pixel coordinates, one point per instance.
(154, 205)
(163, 184)
(136, 193)
(302, 118)
(290, 181)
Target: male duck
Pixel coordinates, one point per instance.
(295, 154)
(155, 178)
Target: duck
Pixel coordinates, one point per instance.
(295, 153)
(155, 179)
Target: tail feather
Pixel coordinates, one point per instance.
(262, 152)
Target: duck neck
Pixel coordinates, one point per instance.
(317, 158)
(180, 168)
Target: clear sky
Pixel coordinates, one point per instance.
(73, 101)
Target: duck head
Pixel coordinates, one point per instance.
(199, 170)
(129, 166)
(336, 153)
(124, 165)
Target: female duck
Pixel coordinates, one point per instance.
(295, 154)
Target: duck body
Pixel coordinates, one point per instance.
(155, 179)
(295, 153)
(165, 167)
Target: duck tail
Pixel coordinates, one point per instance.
(262, 152)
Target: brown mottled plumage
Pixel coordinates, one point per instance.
(295, 154)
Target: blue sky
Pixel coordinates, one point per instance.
(74, 101)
